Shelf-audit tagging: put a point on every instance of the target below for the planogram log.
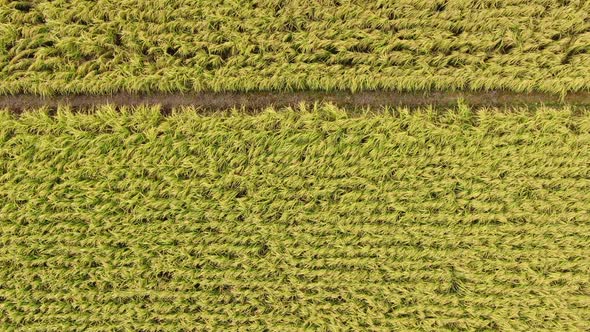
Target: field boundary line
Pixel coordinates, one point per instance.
(261, 100)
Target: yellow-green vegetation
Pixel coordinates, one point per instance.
(79, 46)
(313, 218)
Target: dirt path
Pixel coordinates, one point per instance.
(258, 100)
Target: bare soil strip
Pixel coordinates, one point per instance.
(260, 100)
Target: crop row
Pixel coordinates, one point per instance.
(294, 219)
(52, 47)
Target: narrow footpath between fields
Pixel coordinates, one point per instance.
(260, 100)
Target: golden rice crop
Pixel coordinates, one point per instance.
(305, 219)
(79, 46)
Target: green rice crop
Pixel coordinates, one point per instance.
(311, 218)
(80, 46)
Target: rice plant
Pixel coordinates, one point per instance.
(79, 46)
(295, 219)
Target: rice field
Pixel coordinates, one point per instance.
(89, 47)
(310, 218)
(401, 209)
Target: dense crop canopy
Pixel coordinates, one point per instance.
(81, 46)
(295, 219)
